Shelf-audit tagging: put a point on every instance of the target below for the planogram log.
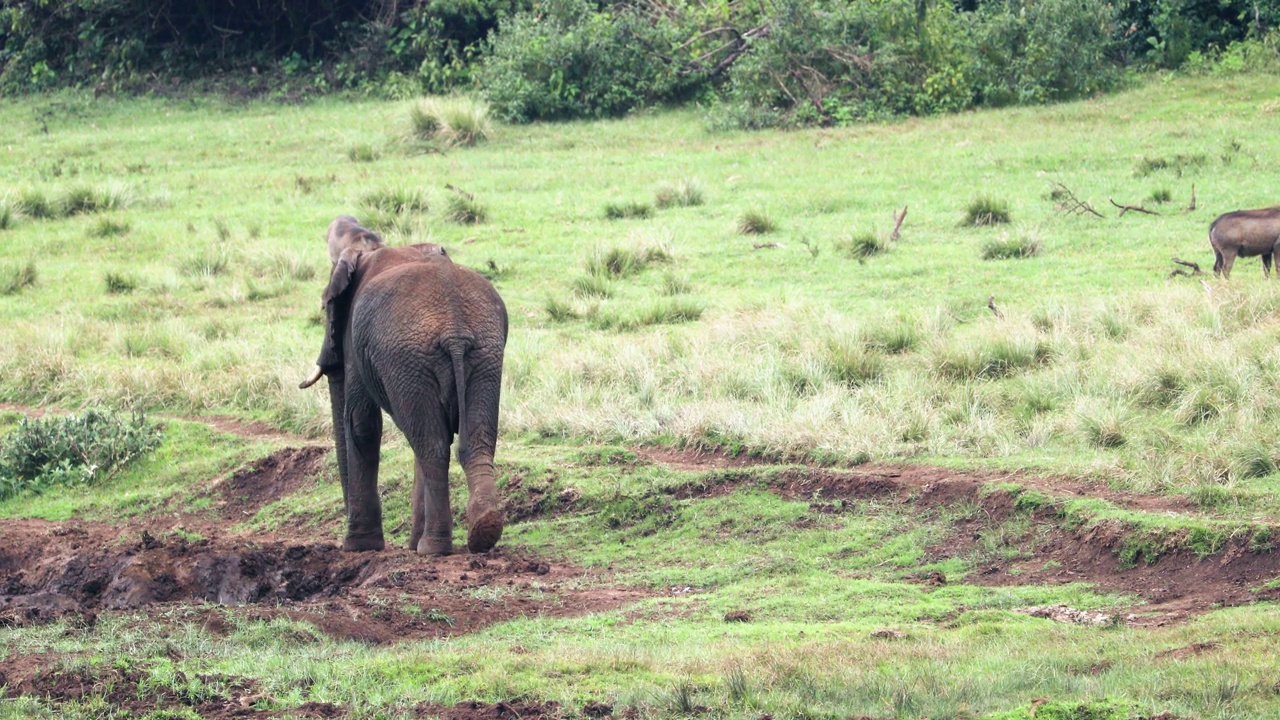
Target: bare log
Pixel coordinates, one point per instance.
(1136, 208)
(897, 224)
(1195, 268)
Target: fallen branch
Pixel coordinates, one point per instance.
(897, 224)
(761, 246)
(1194, 266)
(1069, 203)
(1136, 208)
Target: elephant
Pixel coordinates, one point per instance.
(346, 233)
(411, 333)
(1245, 233)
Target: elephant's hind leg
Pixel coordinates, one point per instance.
(432, 532)
(485, 518)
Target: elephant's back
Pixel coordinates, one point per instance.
(424, 301)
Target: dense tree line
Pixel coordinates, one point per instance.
(773, 62)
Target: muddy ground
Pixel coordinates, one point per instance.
(222, 578)
(1177, 585)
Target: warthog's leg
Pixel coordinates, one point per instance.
(1228, 259)
(1217, 261)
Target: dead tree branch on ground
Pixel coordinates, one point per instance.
(1069, 203)
(1126, 208)
(897, 224)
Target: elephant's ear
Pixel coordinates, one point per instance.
(344, 271)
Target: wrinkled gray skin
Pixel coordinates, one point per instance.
(1245, 233)
(422, 339)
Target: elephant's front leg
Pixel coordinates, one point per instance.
(364, 443)
(432, 532)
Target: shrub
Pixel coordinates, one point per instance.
(72, 450)
(567, 59)
(621, 261)
(592, 285)
(15, 277)
(755, 222)
(864, 246)
(624, 210)
(462, 208)
(454, 120)
(987, 210)
(1006, 247)
(362, 152)
(119, 283)
(108, 227)
(682, 193)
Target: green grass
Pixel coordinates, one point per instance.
(672, 330)
(987, 210)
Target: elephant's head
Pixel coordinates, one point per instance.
(346, 233)
(341, 290)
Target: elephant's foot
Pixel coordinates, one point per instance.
(363, 543)
(430, 545)
(485, 531)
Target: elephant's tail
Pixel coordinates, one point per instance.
(457, 349)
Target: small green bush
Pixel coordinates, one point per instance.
(755, 222)
(682, 193)
(108, 227)
(1008, 247)
(362, 153)
(625, 210)
(864, 246)
(464, 209)
(987, 210)
(72, 450)
(119, 283)
(15, 277)
(456, 120)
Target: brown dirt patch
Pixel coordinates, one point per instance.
(48, 570)
(1176, 586)
(270, 478)
(127, 689)
(513, 710)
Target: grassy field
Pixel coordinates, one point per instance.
(671, 288)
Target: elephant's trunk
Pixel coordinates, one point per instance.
(338, 407)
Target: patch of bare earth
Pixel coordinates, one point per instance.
(1177, 585)
(50, 569)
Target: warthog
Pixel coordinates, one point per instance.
(1245, 233)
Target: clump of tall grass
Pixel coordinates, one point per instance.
(681, 193)
(1104, 425)
(986, 210)
(108, 227)
(14, 278)
(892, 337)
(454, 120)
(755, 222)
(851, 363)
(83, 199)
(863, 246)
(673, 284)
(463, 208)
(988, 356)
(662, 311)
(35, 204)
(592, 285)
(7, 212)
(286, 266)
(624, 210)
(559, 310)
(1161, 195)
(363, 153)
(208, 262)
(622, 261)
(393, 208)
(119, 283)
(1008, 246)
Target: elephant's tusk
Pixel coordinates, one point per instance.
(311, 379)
